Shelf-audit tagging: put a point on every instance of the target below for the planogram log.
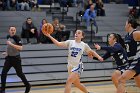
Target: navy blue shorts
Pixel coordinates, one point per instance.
(121, 68)
(136, 67)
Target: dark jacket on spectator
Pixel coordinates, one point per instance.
(19, 1)
(100, 10)
(26, 31)
(3, 4)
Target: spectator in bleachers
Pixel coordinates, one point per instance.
(89, 15)
(11, 4)
(89, 4)
(85, 3)
(33, 4)
(63, 3)
(29, 30)
(23, 5)
(59, 31)
(69, 3)
(47, 2)
(133, 12)
(100, 8)
(75, 2)
(44, 21)
(2, 4)
(42, 37)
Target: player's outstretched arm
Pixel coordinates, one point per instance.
(57, 43)
(94, 54)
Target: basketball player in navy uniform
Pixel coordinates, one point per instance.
(12, 59)
(118, 52)
(132, 40)
(76, 48)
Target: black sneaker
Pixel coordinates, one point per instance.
(27, 90)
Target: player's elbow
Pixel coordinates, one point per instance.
(60, 44)
(57, 44)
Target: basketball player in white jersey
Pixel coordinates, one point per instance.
(75, 66)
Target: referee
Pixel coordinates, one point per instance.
(12, 59)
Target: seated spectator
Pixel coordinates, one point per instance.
(47, 2)
(89, 4)
(23, 5)
(69, 3)
(11, 4)
(100, 8)
(44, 21)
(63, 3)
(89, 15)
(2, 4)
(133, 12)
(85, 3)
(59, 31)
(29, 30)
(42, 37)
(33, 4)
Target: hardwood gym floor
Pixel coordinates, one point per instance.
(95, 87)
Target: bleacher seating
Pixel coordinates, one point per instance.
(16, 18)
(114, 21)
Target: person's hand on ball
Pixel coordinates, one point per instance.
(47, 34)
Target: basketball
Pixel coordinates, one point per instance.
(47, 28)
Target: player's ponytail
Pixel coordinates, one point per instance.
(119, 39)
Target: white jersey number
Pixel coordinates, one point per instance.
(127, 47)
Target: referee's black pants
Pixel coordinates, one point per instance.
(16, 63)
